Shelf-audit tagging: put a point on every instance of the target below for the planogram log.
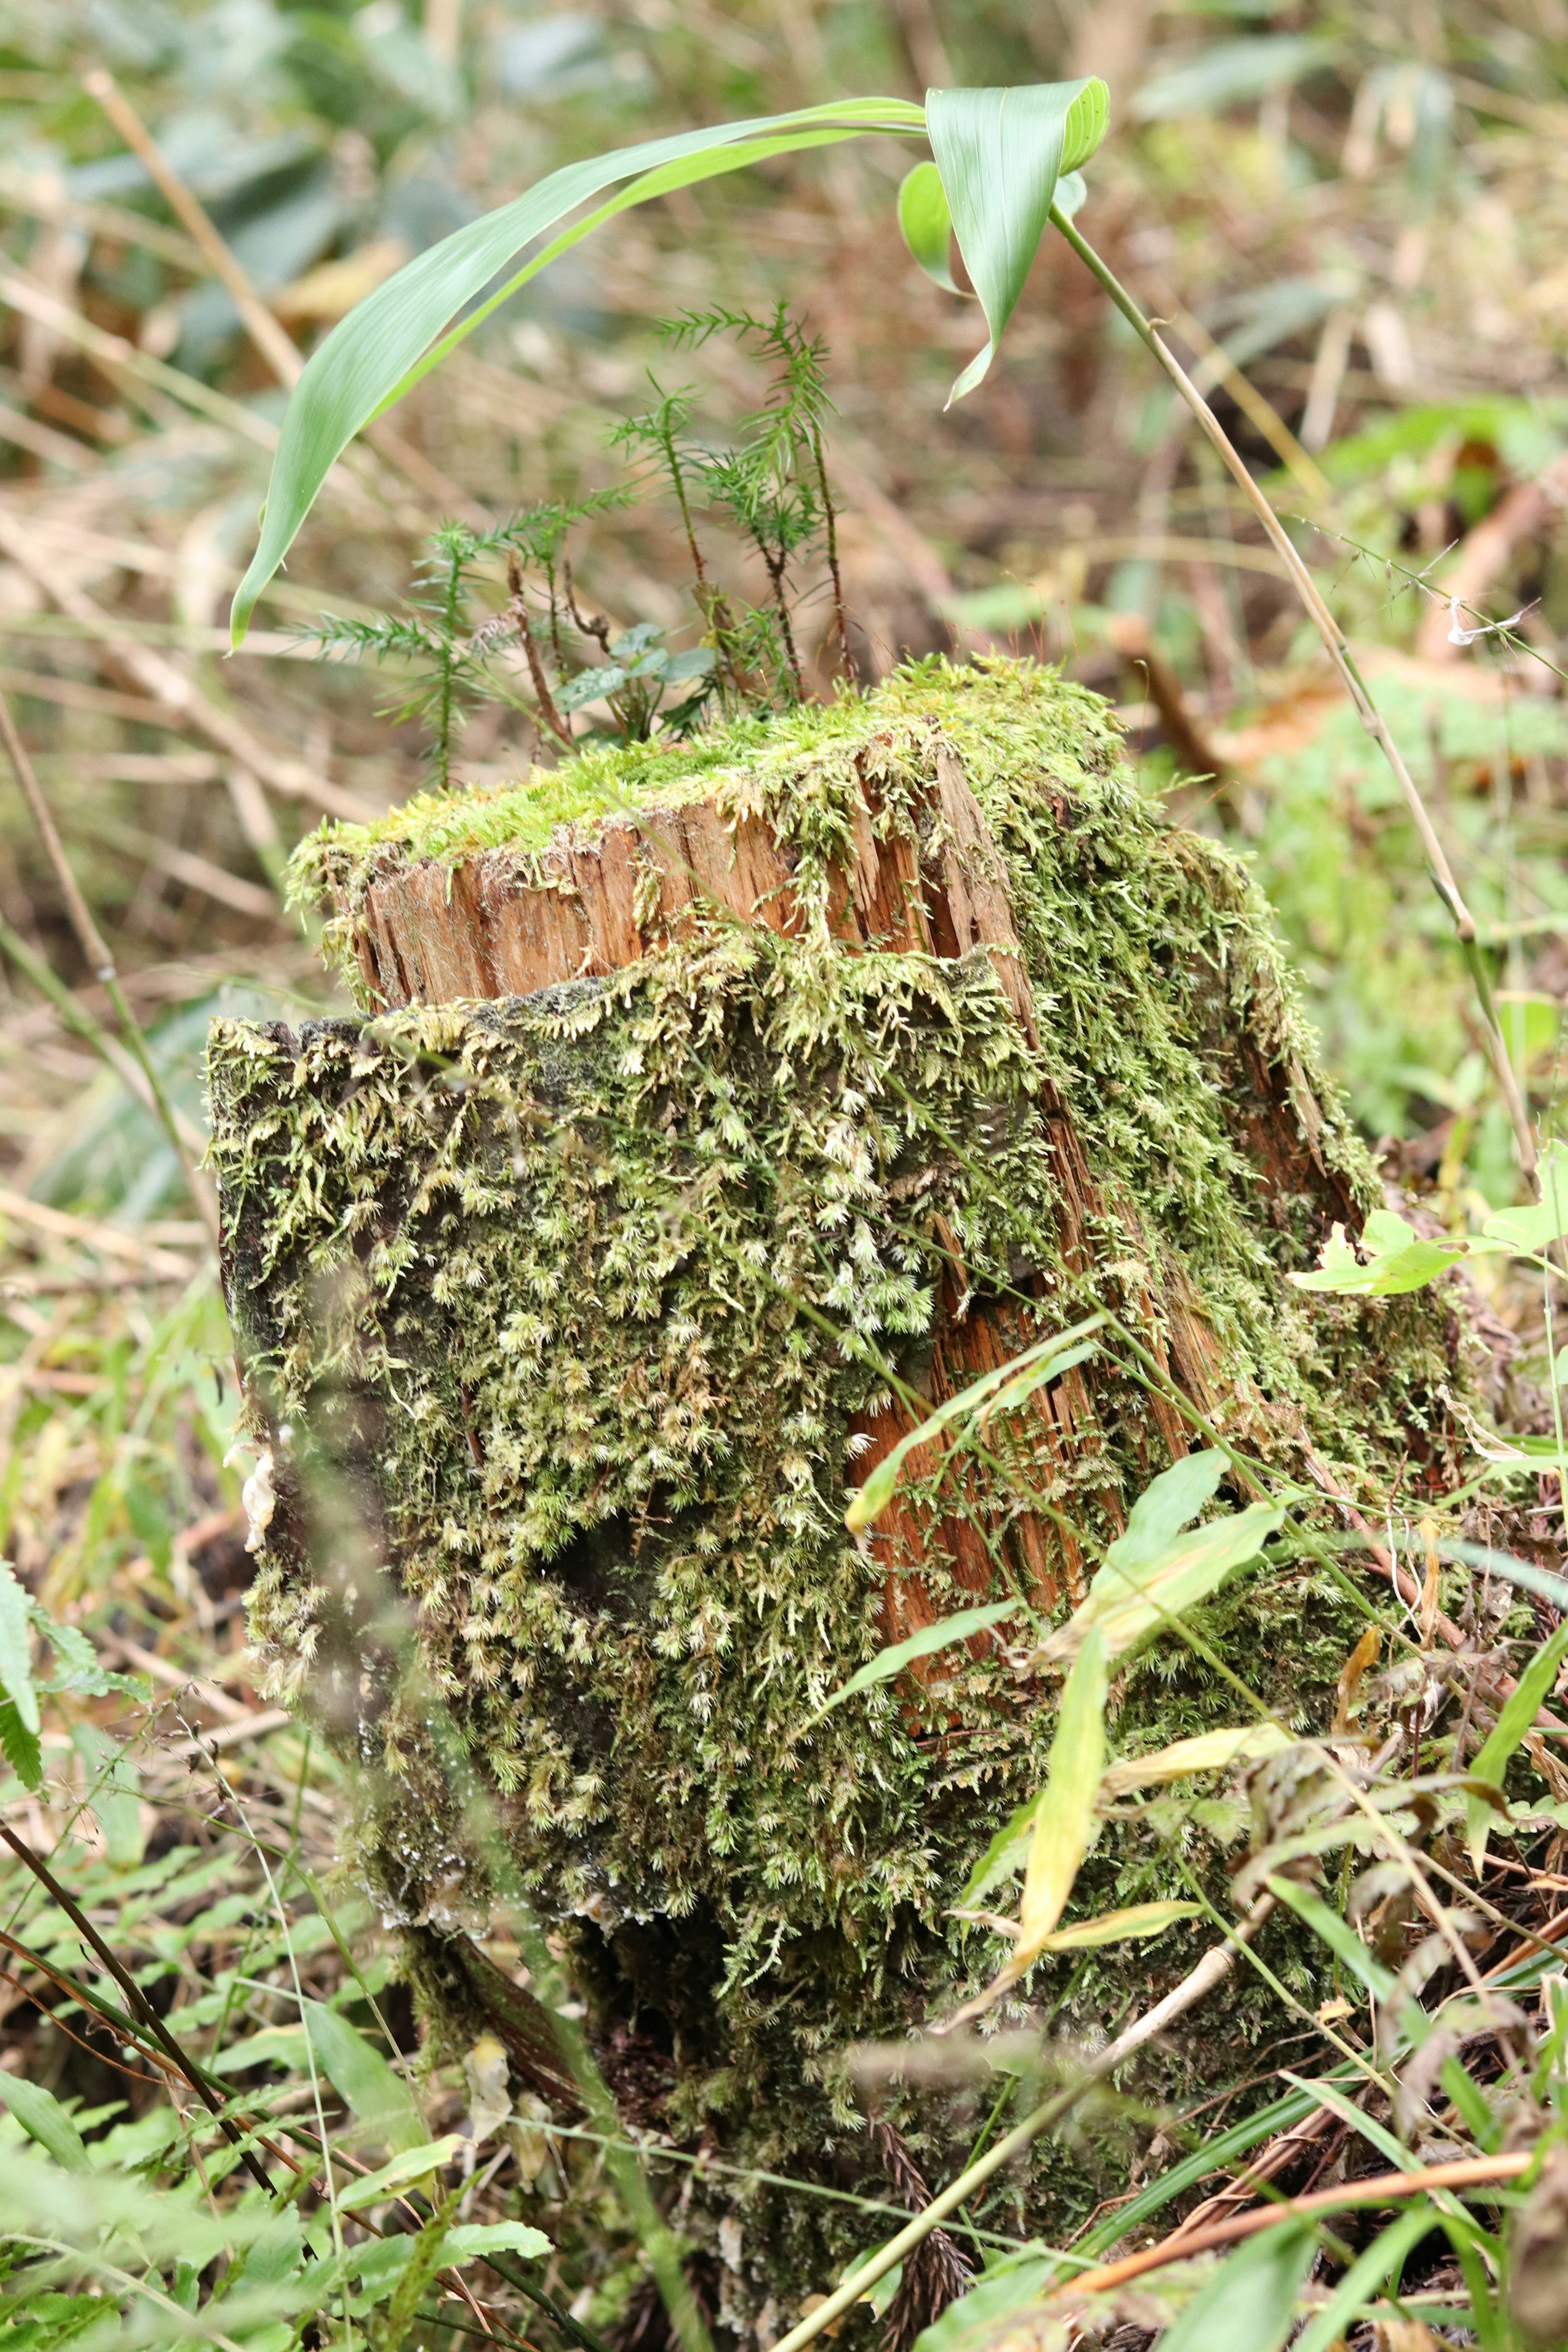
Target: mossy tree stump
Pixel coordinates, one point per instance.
(698, 1091)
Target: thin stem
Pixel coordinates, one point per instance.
(1339, 652)
(830, 526)
(542, 696)
(139, 2004)
(100, 962)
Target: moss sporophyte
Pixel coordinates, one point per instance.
(569, 1317)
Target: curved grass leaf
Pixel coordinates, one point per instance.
(1065, 1823)
(1000, 1391)
(1518, 1713)
(1338, 1934)
(927, 223)
(43, 2118)
(1141, 1588)
(939, 1636)
(1248, 2304)
(409, 323)
(1000, 153)
(1365, 2278)
(381, 2100)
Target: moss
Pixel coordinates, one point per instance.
(566, 1311)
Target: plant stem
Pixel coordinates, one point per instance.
(101, 963)
(1339, 652)
(139, 2004)
(1216, 1964)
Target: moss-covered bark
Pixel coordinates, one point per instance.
(574, 1314)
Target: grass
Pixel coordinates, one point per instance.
(1390, 281)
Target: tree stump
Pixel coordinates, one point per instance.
(709, 1103)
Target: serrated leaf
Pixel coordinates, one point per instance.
(1398, 1260)
(20, 1748)
(923, 1644)
(43, 2118)
(997, 1391)
(381, 2100)
(926, 223)
(1065, 1822)
(1209, 1752)
(1000, 153)
(407, 326)
(17, 1649)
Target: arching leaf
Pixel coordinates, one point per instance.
(409, 323)
(1000, 153)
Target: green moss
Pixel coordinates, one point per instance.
(562, 1312)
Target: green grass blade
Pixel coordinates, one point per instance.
(385, 343)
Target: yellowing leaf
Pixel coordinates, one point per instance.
(1209, 1752)
(1132, 1599)
(1065, 1822)
(1119, 1926)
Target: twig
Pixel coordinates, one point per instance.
(1381, 2188)
(545, 699)
(270, 338)
(1339, 652)
(1216, 1964)
(102, 966)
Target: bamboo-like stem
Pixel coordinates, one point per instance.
(1215, 1966)
(1339, 652)
(100, 962)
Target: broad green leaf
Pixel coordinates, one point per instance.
(1007, 1852)
(43, 2118)
(1119, 1926)
(1168, 1505)
(973, 2318)
(1000, 153)
(1546, 1220)
(1518, 1713)
(1072, 194)
(1000, 1391)
(927, 223)
(1128, 1600)
(381, 2100)
(407, 326)
(1209, 1752)
(390, 2180)
(1065, 1822)
(470, 2240)
(16, 1648)
(939, 1636)
(1365, 2278)
(113, 1794)
(1248, 2304)
(1398, 1260)
(1337, 1933)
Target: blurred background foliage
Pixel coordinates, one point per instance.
(1352, 216)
